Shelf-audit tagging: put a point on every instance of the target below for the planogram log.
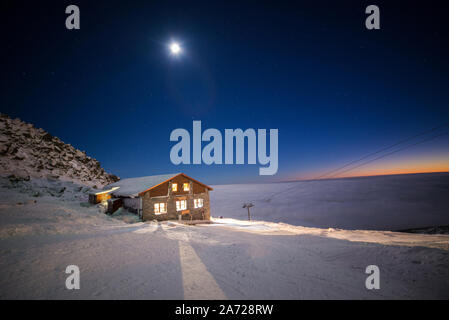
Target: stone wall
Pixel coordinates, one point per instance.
(194, 214)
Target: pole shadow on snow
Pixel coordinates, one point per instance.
(197, 282)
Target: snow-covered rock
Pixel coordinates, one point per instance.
(28, 152)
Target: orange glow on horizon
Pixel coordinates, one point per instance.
(368, 174)
(424, 164)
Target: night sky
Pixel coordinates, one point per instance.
(335, 90)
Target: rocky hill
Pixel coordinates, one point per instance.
(27, 152)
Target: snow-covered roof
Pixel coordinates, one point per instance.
(133, 186)
(106, 191)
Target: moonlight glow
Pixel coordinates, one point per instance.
(175, 48)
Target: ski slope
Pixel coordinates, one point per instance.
(228, 259)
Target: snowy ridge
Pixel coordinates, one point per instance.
(367, 236)
(27, 152)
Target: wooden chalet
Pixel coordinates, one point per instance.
(162, 197)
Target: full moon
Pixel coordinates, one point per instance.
(175, 48)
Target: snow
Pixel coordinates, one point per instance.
(133, 186)
(27, 152)
(132, 203)
(228, 259)
(372, 203)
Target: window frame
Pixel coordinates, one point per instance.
(198, 203)
(174, 187)
(186, 186)
(159, 210)
(180, 207)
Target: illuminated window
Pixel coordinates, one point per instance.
(160, 208)
(198, 203)
(174, 187)
(186, 186)
(181, 205)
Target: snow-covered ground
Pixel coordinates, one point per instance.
(43, 229)
(371, 203)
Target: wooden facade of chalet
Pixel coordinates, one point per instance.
(164, 197)
(181, 195)
(99, 197)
